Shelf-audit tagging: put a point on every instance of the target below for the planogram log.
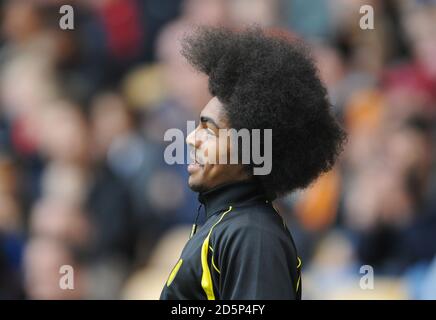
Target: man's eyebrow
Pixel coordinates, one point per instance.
(208, 119)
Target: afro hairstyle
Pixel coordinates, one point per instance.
(267, 81)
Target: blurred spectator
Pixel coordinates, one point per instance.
(43, 260)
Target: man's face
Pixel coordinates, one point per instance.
(207, 170)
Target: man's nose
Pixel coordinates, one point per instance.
(193, 140)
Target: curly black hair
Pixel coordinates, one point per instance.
(267, 81)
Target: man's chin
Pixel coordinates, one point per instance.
(195, 186)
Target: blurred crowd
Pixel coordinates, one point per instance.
(83, 112)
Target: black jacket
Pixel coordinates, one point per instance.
(243, 251)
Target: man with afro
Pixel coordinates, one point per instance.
(258, 81)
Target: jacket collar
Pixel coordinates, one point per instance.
(231, 194)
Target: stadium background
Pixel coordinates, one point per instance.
(82, 117)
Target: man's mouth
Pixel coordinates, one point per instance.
(196, 162)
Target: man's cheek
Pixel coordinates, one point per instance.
(209, 154)
(216, 153)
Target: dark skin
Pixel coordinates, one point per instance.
(204, 173)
